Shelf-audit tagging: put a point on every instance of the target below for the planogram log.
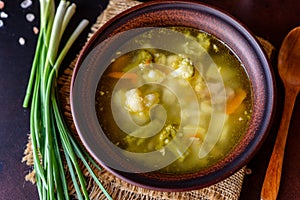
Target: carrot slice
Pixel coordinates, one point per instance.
(126, 75)
(236, 101)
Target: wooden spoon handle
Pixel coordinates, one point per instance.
(272, 179)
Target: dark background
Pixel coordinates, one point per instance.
(270, 19)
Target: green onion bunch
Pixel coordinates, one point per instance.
(52, 142)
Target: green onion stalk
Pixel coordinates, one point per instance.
(52, 143)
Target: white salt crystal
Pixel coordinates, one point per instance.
(26, 3)
(30, 17)
(21, 41)
(3, 15)
(1, 23)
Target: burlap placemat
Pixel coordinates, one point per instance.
(228, 189)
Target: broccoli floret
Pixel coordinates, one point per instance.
(168, 142)
(140, 59)
(167, 134)
(143, 58)
(203, 40)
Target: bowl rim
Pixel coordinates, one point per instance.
(252, 147)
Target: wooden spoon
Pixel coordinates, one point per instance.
(289, 71)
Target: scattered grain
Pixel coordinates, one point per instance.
(22, 41)
(26, 3)
(2, 4)
(248, 171)
(30, 17)
(3, 15)
(35, 30)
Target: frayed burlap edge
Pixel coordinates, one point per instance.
(228, 189)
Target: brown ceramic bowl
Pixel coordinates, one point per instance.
(166, 14)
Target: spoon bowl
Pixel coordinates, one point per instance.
(289, 59)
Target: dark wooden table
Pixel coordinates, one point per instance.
(270, 19)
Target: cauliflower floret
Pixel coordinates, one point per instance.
(199, 86)
(139, 106)
(185, 69)
(134, 101)
(173, 60)
(160, 58)
(154, 75)
(151, 99)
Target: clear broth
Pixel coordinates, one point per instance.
(133, 84)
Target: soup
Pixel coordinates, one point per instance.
(193, 105)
